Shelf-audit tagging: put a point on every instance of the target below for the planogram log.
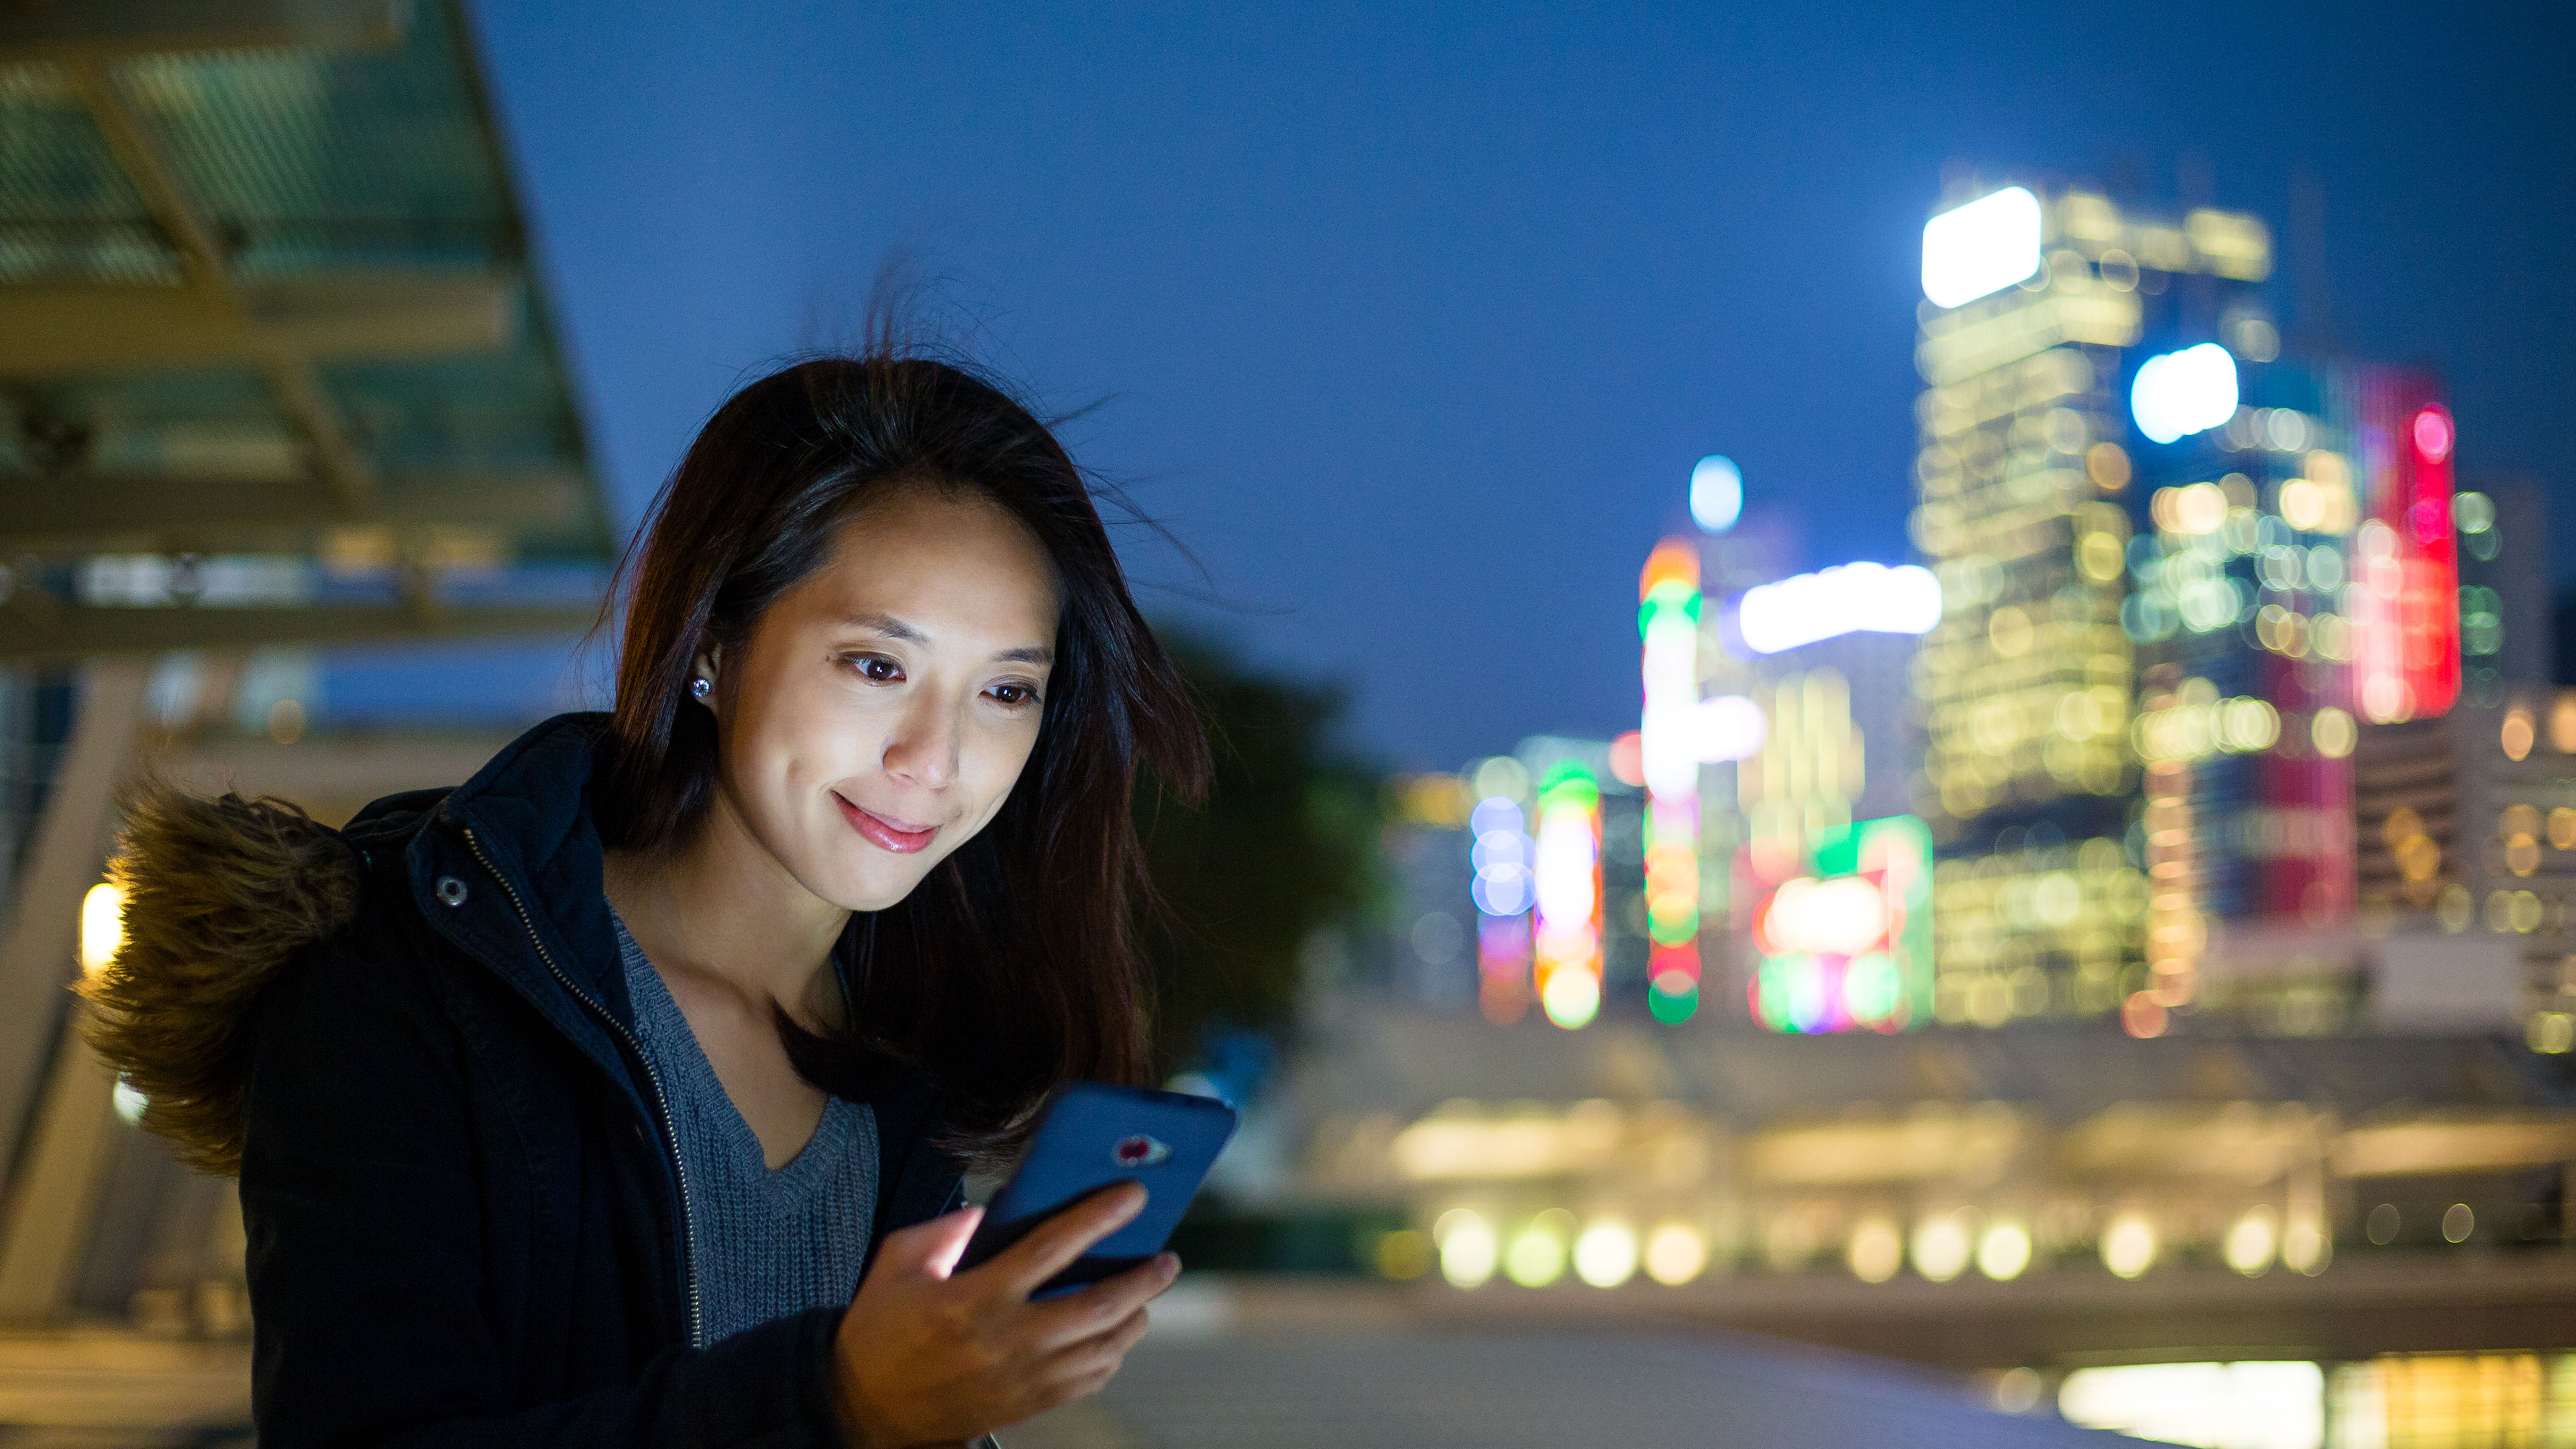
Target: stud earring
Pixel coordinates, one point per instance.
(701, 687)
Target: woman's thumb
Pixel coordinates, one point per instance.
(932, 1248)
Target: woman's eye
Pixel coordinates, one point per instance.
(1013, 694)
(877, 669)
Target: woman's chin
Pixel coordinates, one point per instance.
(874, 890)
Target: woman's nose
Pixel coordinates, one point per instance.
(924, 749)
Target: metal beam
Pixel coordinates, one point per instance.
(74, 30)
(331, 775)
(68, 633)
(345, 470)
(299, 393)
(50, 332)
(53, 1202)
(112, 513)
(63, 861)
(138, 154)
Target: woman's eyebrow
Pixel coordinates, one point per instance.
(894, 628)
(888, 625)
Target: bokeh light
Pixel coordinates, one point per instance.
(2184, 392)
(1851, 598)
(102, 926)
(1605, 1255)
(1942, 1245)
(1536, 1256)
(2129, 1244)
(1876, 1250)
(2252, 1239)
(1716, 494)
(2004, 1250)
(1676, 1253)
(1983, 247)
(1467, 1247)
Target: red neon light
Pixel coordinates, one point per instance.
(2406, 559)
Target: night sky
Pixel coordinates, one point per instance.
(1411, 325)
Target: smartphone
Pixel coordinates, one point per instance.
(1093, 1135)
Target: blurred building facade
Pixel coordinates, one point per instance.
(2032, 1206)
(2030, 685)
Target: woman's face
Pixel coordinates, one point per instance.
(880, 711)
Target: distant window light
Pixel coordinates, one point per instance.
(1981, 248)
(2184, 392)
(2472, 512)
(1850, 599)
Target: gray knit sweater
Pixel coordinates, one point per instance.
(765, 1243)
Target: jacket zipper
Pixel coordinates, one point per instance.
(661, 1102)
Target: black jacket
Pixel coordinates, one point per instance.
(465, 1221)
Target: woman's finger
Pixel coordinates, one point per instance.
(1096, 1358)
(1099, 1308)
(1054, 1245)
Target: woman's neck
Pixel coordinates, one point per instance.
(719, 906)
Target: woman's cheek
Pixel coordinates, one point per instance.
(999, 758)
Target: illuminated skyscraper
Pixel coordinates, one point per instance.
(2027, 513)
(1669, 763)
(2467, 820)
(2506, 633)
(2248, 610)
(1566, 874)
(1553, 839)
(1832, 886)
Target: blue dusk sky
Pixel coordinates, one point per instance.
(1411, 320)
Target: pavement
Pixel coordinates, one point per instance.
(1247, 1368)
(1235, 1364)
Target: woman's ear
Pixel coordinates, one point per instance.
(702, 678)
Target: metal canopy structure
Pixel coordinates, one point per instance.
(275, 369)
(274, 366)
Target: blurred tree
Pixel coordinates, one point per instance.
(1284, 846)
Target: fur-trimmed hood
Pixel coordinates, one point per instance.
(219, 893)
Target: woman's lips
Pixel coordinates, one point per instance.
(881, 834)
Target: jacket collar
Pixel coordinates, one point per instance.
(507, 867)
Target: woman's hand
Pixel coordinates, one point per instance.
(926, 1355)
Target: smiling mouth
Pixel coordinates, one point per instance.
(881, 833)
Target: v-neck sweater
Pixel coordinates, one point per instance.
(764, 1243)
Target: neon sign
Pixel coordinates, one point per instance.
(1566, 870)
(1847, 944)
(1981, 248)
(2405, 559)
(1849, 599)
(1678, 732)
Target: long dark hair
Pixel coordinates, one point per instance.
(1013, 966)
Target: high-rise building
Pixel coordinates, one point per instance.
(1519, 883)
(2029, 684)
(2250, 609)
(2507, 634)
(1831, 928)
(2466, 820)
(1670, 764)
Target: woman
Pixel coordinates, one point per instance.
(572, 1104)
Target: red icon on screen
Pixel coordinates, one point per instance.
(1140, 1151)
